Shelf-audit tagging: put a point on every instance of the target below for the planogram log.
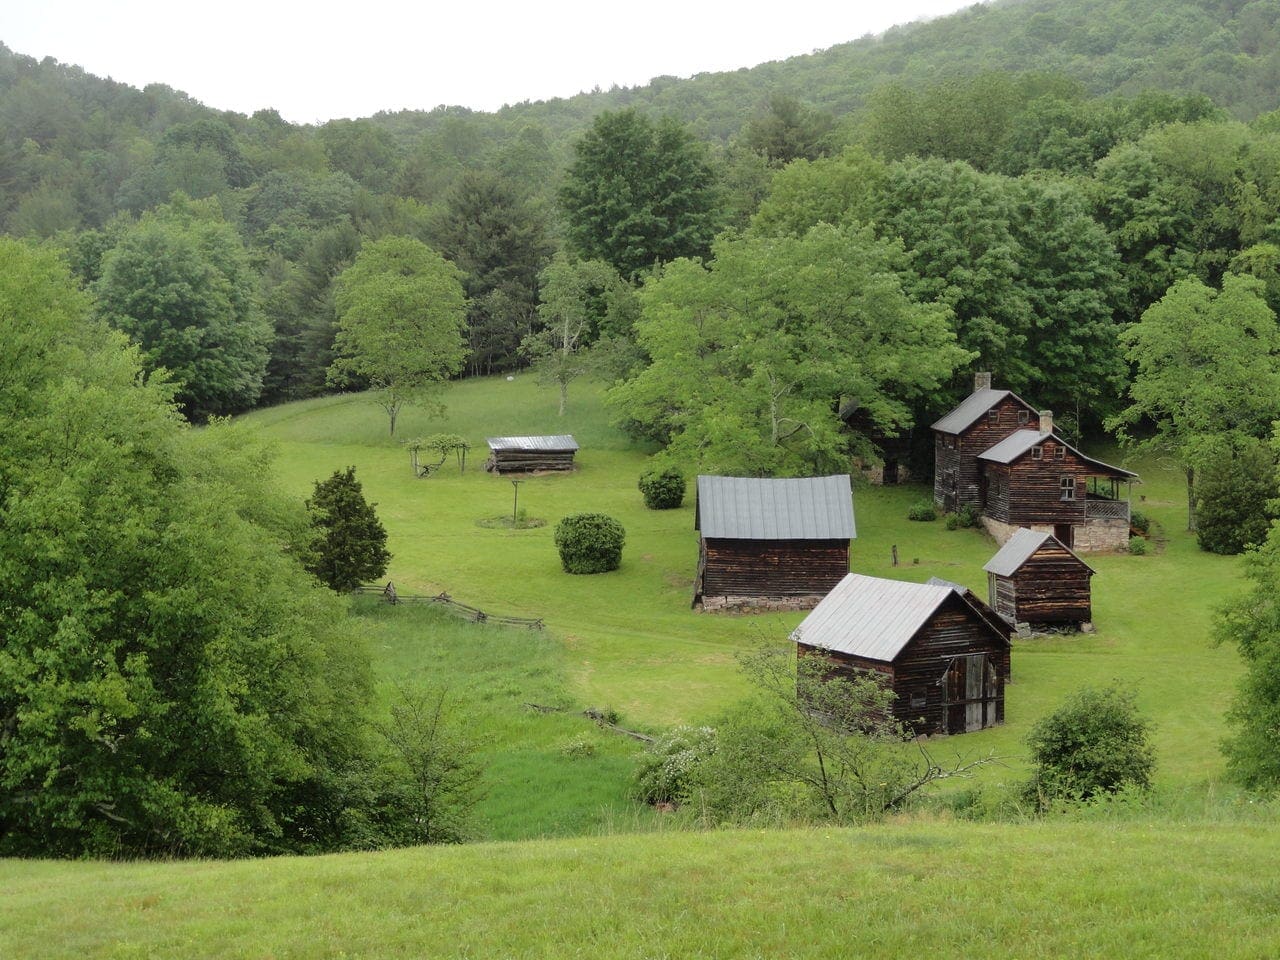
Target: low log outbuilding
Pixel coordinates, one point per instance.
(945, 660)
(772, 544)
(1034, 578)
(527, 454)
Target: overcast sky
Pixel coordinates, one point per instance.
(320, 60)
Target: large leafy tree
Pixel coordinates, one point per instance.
(1206, 371)
(499, 242)
(638, 193)
(753, 354)
(171, 681)
(180, 285)
(401, 311)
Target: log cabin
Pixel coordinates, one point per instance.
(771, 544)
(1035, 479)
(527, 454)
(996, 454)
(946, 661)
(1035, 579)
(982, 419)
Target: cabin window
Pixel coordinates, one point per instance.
(918, 701)
(1037, 452)
(1023, 416)
(1059, 452)
(950, 442)
(993, 416)
(1068, 487)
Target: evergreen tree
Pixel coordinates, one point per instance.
(350, 545)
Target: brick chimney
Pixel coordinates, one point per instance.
(981, 381)
(1046, 421)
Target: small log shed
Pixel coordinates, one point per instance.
(771, 544)
(946, 661)
(1034, 578)
(527, 454)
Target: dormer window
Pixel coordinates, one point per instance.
(1023, 416)
(993, 416)
(1037, 452)
(1059, 452)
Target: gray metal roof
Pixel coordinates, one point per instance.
(1018, 443)
(939, 582)
(1019, 548)
(1013, 446)
(972, 407)
(871, 617)
(557, 443)
(748, 508)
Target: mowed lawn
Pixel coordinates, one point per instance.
(631, 642)
(1049, 889)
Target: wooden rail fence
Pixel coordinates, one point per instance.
(474, 614)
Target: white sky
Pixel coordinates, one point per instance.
(320, 60)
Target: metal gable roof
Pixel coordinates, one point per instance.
(557, 443)
(1020, 548)
(974, 406)
(939, 582)
(1018, 443)
(871, 617)
(747, 508)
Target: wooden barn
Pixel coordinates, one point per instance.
(527, 454)
(982, 419)
(946, 660)
(1035, 579)
(772, 544)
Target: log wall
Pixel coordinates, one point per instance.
(769, 569)
(527, 461)
(1029, 491)
(1052, 587)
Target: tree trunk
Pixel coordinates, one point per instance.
(391, 415)
(1191, 499)
(564, 395)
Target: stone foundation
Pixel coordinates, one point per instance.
(1092, 536)
(758, 604)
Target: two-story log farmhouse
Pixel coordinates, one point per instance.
(1000, 456)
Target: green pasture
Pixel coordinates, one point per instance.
(629, 640)
(934, 889)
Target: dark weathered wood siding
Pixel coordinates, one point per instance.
(526, 461)
(1052, 586)
(770, 568)
(917, 674)
(1029, 491)
(957, 468)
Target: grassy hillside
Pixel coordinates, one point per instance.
(629, 639)
(936, 889)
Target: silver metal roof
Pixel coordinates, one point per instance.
(747, 508)
(972, 407)
(1013, 446)
(1019, 442)
(871, 617)
(557, 443)
(1019, 548)
(939, 582)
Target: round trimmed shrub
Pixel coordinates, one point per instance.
(662, 489)
(590, 543)
(1137, 546)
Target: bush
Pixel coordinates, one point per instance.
(1095, 743)
(1137, 546)
(953, 521)
(924, 510)
(1140, 522)
(581, 747)
(662, 490)
(968, 516)
(668, 770)
(590, 543)
(1232, 494)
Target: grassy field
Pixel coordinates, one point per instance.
(630, 641)
(924, 889)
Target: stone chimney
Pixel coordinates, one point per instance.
(1046, 421)
(981, 381)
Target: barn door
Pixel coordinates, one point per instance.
(972, 691)
(950, 491)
